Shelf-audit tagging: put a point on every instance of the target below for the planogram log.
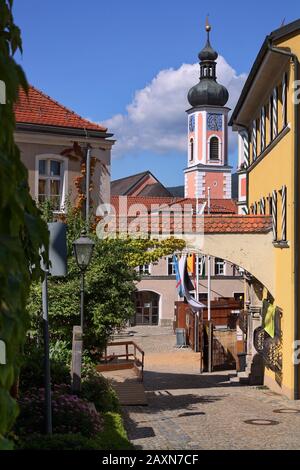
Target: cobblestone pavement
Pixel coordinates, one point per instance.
(192, 411)
(150, 338)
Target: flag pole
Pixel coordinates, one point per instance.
(210, 338)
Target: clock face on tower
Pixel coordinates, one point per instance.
(192, 123)
(214, 122)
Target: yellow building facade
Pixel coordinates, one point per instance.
(267, 120)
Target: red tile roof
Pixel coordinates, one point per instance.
(38, 108)
(212, 224)
(145, 200)
(237, 224)
(218, 206)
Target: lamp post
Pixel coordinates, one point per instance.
(83, 249)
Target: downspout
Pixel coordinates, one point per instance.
(294, 58)
(87, 186)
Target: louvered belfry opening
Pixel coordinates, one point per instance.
(214, 148)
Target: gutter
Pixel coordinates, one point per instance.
(294, 58)
(70, 131)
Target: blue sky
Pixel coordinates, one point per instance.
(100, 57)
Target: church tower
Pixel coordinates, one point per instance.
(208, 132)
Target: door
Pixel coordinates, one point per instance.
(147, 308)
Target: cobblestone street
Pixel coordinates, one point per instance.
(192, 411)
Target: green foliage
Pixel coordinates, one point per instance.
(96, 389)
(22, 232)
(114, 436)
(110, 284)
(32, 370)
(108, 297)
(144, 251)
(58, 442)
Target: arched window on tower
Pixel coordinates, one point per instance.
(214, 148)
(191, 150)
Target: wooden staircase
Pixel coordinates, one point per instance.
(125, 371)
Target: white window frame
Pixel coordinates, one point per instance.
(170, 261)
(144, 269)
(202, 266)
(63, 176)
(219, 264)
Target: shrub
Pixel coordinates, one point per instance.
(95, 388)
(32, 370)
(70, 414)
(58, 442)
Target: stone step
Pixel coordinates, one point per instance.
(234, 379)
(239, 379)
(243, 375)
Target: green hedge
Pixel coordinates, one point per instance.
(113, 437)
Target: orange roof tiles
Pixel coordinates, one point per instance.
(210, 224)
(38, 108)
(218, 206)
(237, 224)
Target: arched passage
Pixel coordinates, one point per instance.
(254, 252)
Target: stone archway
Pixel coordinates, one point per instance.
(254, 252)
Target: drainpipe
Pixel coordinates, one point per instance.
(294, 58)
(208, 200)
(87, 186)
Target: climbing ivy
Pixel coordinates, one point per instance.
(146, 251)
(22, 231)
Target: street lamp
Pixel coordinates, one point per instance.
(83, 249)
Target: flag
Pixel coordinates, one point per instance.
(178, 279)
(269, 326)
(191, 264)
(187, 285)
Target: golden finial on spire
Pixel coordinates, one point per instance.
(207, 25)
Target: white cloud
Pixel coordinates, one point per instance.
(156, 120)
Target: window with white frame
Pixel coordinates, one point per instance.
(171, 266)
(144, 270)
(219, 267)
(51, 181)
(201, 266)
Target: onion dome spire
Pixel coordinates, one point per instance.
(208, 91)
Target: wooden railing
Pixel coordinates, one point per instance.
(138, 362)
